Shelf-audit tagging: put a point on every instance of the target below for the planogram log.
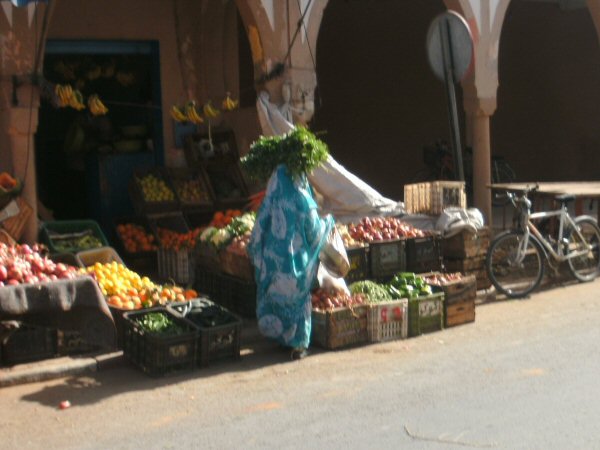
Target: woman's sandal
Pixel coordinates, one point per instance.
(299, 353)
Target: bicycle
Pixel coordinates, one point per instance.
(515, 258)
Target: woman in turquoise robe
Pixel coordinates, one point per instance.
(285, 244)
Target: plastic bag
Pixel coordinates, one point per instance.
(454, 220)
(327, 280)
(333, 255)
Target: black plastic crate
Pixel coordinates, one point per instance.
(233, 293)
(214, 285)
(72, 342)
(359, 264)
(387, 258)
(220, 330)
(158, 355)
(29, 343)
(423, 254)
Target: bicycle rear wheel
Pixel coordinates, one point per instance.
(513, 277)
(586, 266)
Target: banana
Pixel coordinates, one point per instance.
(229, 104)
(192, 114)
(96, 106)
(76, 100)
(177, 115)
(210, 111)
(101, 107)
(59, 96)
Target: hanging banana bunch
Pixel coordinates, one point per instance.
(177, 114)
(210, 111)
(228, 103)
(96, 106)
(67, 96)
(63, 94)
(192, 114)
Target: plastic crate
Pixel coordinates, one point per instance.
(71, 342)
(174, 221)
(177, 265)
(388, 321)
(340, 327)
(51, 231)
(387, 258)
(359, 264)
(215, 342)
(233, 293)
(103, 255)
(159, 355)
(65, 258)
(434, 196)
(181, 178)
(423, 254)
(425, 314)
(144, 206)
(29, 343)
(141, 222)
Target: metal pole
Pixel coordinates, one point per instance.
(446, 40)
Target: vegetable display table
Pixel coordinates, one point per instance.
(74, 304)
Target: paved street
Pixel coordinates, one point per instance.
(525, 375)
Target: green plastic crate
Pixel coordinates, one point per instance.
(70, 227)
(425, 314)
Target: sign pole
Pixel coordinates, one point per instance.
(446, 43)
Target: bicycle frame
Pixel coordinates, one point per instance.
(564, 219)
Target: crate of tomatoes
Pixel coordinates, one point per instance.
(137, 243)
(177, 248)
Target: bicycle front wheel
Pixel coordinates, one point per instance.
(515, 269)
(585, 266)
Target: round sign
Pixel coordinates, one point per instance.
(449, 46)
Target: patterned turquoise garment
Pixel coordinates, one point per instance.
(284, 248)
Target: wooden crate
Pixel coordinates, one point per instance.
(433, 197)
(465, 265)
(459, 312)
(456, 291)
(340, 327)
(15, 225)
(466, 244)
(236, 265)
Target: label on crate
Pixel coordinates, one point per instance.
(430, 308)
(179, 351)
(391, 314)
(388, 254)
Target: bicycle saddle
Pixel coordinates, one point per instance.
(565, 198)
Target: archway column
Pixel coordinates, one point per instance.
(271, 26)
(479, 112)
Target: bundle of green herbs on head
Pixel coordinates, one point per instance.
(299, 150)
